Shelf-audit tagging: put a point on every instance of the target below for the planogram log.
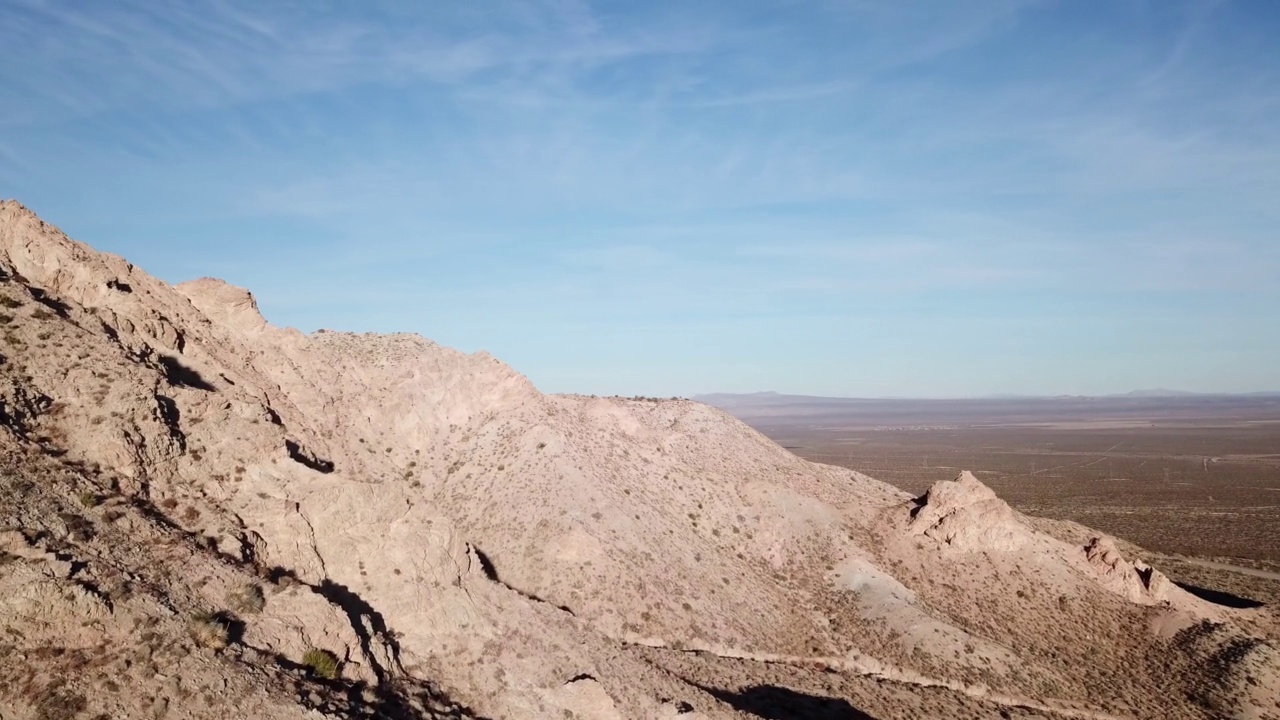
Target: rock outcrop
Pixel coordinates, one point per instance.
(366, 525)
(1136, 581)
(966, 515)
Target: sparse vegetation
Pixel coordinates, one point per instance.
(1196, 484)
(60, 704)
(322, 663)
(208, 630)
(247, 599)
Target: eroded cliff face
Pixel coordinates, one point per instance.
(463, 543)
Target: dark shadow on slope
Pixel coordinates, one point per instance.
(301, 456)
(367, 623)
(403, 702)
(400, 699)
(779, 703)
(62, 309)
(491, 573)
(182, 376)
(358, 612)
(172, 418)
(277, 575)
(234, 625)
(1220, 597)
(486, 566)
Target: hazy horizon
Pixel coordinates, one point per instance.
(859, 199)
(1149, 393)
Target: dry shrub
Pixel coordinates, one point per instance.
(208, 631)
(246, 599)
(58, 704)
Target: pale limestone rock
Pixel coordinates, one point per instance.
(966, 515)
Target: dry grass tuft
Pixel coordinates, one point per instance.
(247, 599)
(59, 704)
(208, 631)
(323, 664)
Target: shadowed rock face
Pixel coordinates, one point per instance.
(465, 545)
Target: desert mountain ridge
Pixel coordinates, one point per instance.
(202, 515)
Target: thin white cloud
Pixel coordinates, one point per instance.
(132, 56)
(776, 95)
(850, 171)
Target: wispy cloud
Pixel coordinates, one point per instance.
(132, 56)
(916, 31)
(670, 175)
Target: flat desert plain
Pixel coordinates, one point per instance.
(1194, 479)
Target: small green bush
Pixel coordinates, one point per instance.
(323, 663)
(90, 500)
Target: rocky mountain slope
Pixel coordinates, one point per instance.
(206, 515)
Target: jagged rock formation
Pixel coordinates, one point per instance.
(965, 514)
(187, 481)
(1136, 581)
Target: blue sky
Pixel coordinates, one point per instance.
(848, 197)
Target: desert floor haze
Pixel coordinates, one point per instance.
(1194, 474)
(203, 515)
